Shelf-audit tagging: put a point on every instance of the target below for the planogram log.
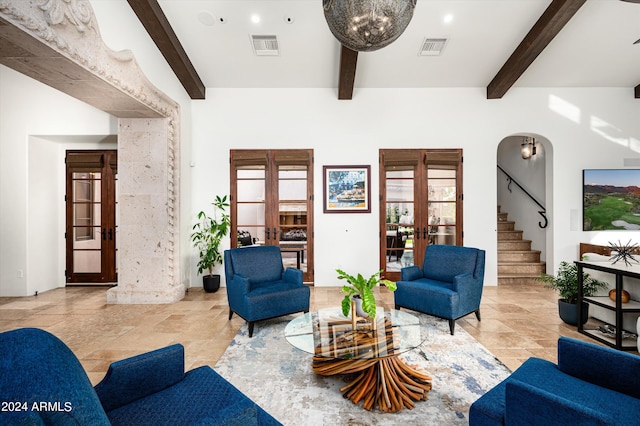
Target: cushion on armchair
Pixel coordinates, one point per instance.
(39, 370)
(259, 264)
(258, 286)
(141, 376)
(445, 262)
(588, 362)
(540, 392)
(449, 285)
(532, 406)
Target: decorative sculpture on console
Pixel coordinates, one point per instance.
(623, 252)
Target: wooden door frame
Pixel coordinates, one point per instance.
(421, 215)
(108, 170)
(272, 216)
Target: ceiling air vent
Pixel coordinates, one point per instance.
(265, 45)
(432, 46)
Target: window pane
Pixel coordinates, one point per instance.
(251, 173)
(292, 189)
(87, 261)
(87, 237)
(251, 190)
(442, 190)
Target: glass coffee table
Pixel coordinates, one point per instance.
(370, 354)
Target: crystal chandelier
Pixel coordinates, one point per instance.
(368, 25)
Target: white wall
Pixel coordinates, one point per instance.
(587, 128)
(47, 214)
(29, 108)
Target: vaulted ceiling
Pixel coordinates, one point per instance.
(497, 44)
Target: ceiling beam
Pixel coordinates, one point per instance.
(347, 77)
(155, 22)
(543, 31)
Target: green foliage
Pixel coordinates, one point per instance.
(208, 234)
(606, 210)
(566, 282)
(363, 287)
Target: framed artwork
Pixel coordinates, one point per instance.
(611, 200)
(347, 189)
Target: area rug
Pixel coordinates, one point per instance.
(278, 377)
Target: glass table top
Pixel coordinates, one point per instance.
(327, 333)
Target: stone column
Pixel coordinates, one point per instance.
(146, 204)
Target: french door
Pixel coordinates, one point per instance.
(421, 204)
(91, 216)
(272, 203)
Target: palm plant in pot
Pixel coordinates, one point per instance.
(566, 284)
(207, 236)
(361, 288)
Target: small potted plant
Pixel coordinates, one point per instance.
(206, 237)
(566, 283)
(359, 287)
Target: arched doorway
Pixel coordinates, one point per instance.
(523, 194)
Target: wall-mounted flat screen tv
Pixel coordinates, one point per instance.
(611, 199)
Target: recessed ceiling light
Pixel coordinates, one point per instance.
(255, 19)
(448, 18)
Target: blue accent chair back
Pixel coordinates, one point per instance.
(258, 286)
(449, 284)
(589, 385)
(46, 385)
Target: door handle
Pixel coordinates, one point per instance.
(104, 234)
(110, 234)
(275, 234)
(268, 233)
(424, 233)
(417, 233)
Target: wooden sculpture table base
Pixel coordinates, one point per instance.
(383, 382)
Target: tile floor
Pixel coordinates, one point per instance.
(517, 322)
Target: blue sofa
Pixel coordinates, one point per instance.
(258, 286)
(43, 383)
(590, 385)
(449, 284)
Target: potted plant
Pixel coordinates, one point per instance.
(566, 283)
(359, 287)
(206, 237)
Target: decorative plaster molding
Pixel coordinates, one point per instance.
(77, 12)
(45, 21)
(70, 28)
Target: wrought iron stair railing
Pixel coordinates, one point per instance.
(542, 212)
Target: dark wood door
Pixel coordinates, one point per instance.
(272, 203)
(420, 204)
(91, 217)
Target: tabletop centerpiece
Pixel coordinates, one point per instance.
(359, 299)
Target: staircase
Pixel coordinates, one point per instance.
(517, 263)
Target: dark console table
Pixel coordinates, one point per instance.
(620, 272)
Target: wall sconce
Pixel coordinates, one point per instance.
(528, 147)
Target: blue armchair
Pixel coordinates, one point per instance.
(258, 286)
(590, 385)
(42, 382)
(449, 284)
